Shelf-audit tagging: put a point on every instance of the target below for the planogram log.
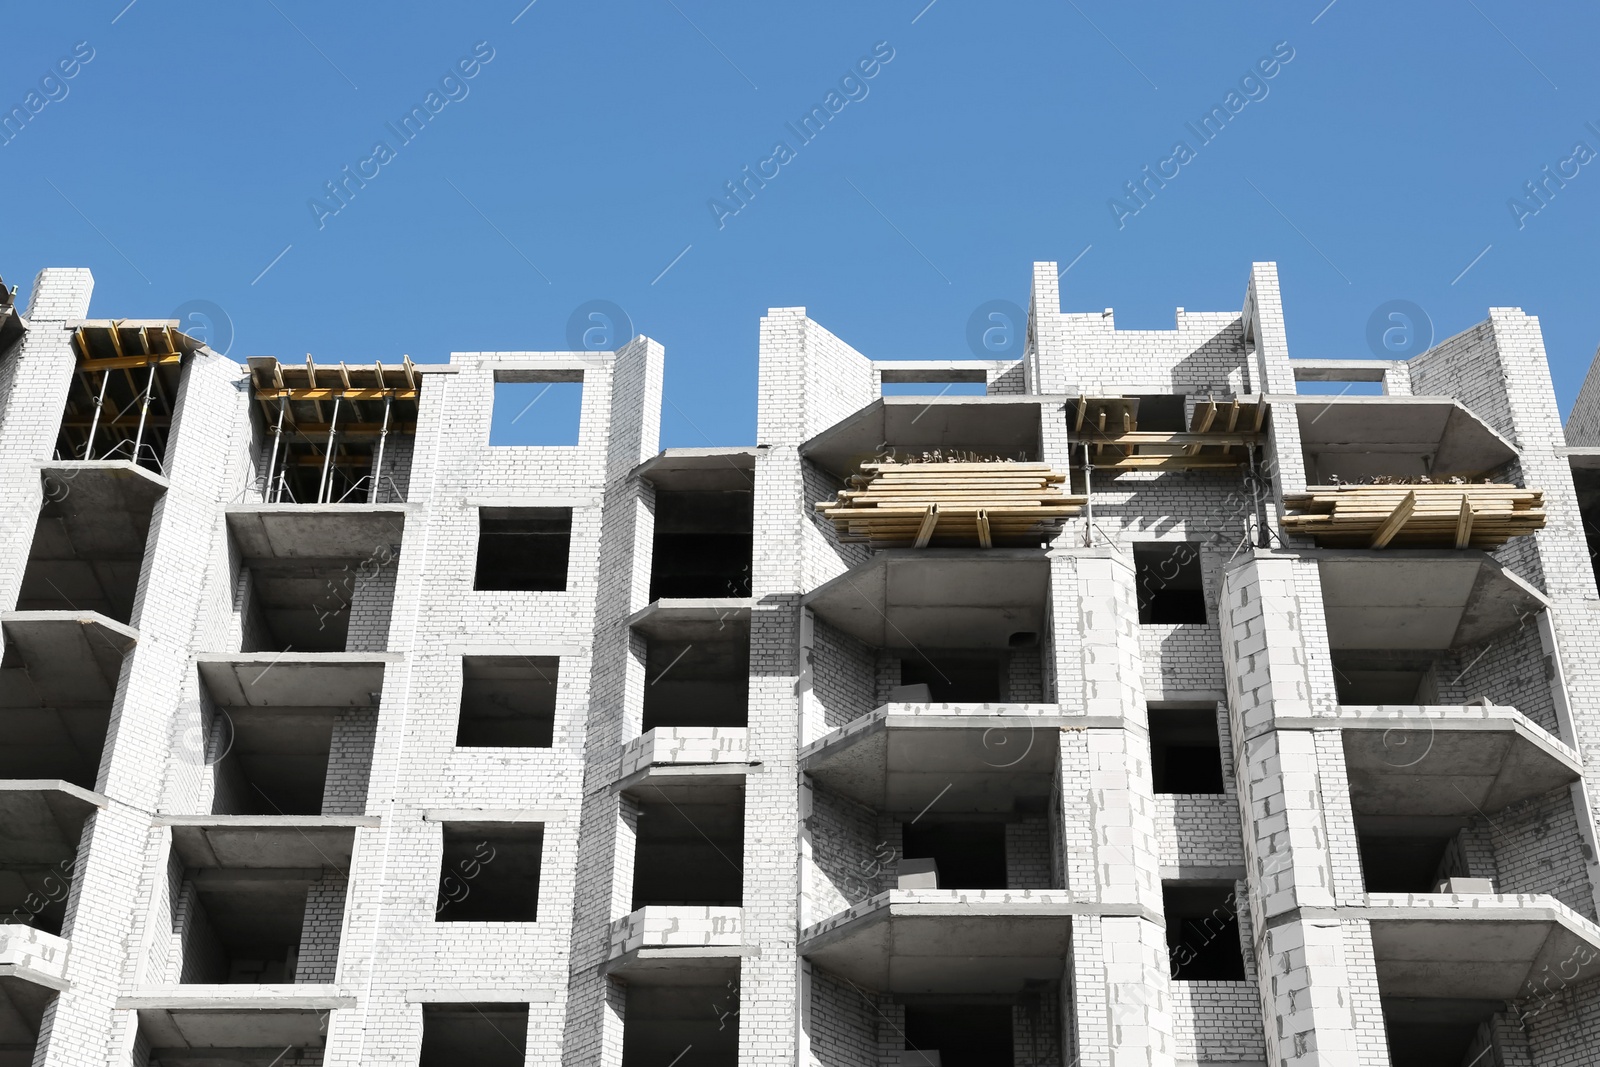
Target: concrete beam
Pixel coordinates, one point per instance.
(295, 679)
(265, 841)
(316, 531)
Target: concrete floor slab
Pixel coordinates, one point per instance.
(43, 819)
(901, 763)
(265, 841)
(1419, 599)
(938, 598)
(996, 425)
(71, 657)
(1449, 761)
(1475, 948)
(315, 531)
(295, 679)
(712, 619)
(949, 942)
(221, 1018)
(698, 470)
(1441, 428)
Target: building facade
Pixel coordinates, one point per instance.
(1129, 705)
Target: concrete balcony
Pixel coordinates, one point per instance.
(1489, 947)
(232, 1025)
(685, 746)
(295, 679)
(43, 821)
(952, 941)
(1453, 760)
(32, 971)
(898, 757)
(315, 531)
(672, 944)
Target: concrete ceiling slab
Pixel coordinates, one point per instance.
(938, 598)
(265, 841)
(1420, 599)
(700, 469)
(1481, 952)
(104, 506)
(41, 821)
(901, 765)
(295, 679)
(708, 965)
(315, 531)
(22, 1005)
(72, 657)
(958, 947)
(1581, 457)
(1440, 427)
(1448, 764)
(267, 1020)
(715, 619)
(997, 425)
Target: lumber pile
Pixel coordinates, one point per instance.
(1414, 516)
(914, 505)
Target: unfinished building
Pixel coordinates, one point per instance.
(1159, 706)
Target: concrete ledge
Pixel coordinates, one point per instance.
(72, 657)
(265, 841)
(235, 1017)
(901, 756)
(1443, 760)
(951, 941)
(682, 745)
(700, 469)
(315, 531)
(685, 619)
(295, 679)
(539, 815)
(34, 957)
(483, 996)
(1488, 947)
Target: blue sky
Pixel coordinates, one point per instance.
(575, 169)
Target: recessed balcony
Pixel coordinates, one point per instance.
(43, 822)
(1357, 438)
(233, 1026)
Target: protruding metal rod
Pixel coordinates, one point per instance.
(270, 492)
(377, 459)
(94, 423)
(327, 457)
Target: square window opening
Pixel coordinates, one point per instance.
(966, 854)
(489, 872)
(703, 544)
(484, 1035)
(524, 549)
(955, 677)
(1203, 933)
(1185, 750)
(959, 1033)
(689, 848)
(697, 683)
(1170, 587)
(508, 701)
(537, 408)
(661, 1021)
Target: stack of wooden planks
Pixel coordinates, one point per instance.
(914, 505)
(1414, 516)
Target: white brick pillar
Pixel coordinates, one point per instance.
(1310, 985)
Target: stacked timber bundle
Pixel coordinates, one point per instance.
(914, 505)
(1414, 516)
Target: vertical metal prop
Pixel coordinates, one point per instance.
(327, 457)
(94, 423)
(377, 461)
(269, 492)
(144, 411)
(1088, 498)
